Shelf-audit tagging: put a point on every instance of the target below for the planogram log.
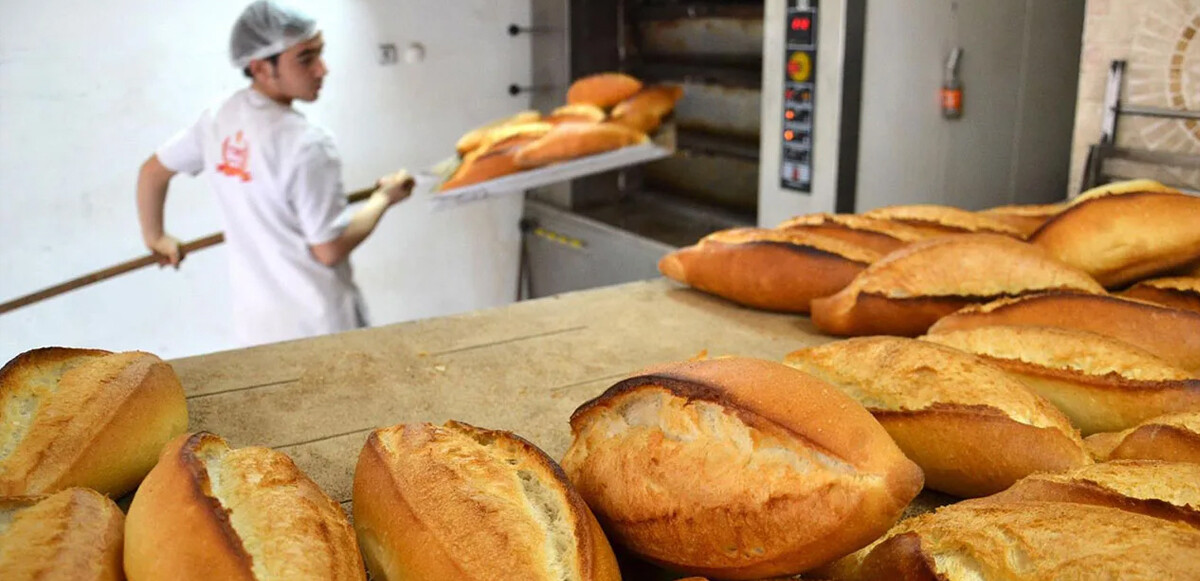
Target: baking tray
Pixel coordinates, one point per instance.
(661, 146)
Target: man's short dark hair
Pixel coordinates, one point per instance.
(273, 59)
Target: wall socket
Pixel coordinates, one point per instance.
(388, 55)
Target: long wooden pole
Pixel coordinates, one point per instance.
(132, 265)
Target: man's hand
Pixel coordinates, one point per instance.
(167, 249)
(397, 186)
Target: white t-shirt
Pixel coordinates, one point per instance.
(278, 179)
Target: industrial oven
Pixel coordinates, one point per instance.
(798, 106)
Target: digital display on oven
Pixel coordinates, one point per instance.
(800, 61)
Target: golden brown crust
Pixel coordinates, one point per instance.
(76, 417)
(1026, 218)
(476, 137)
(581, 113)
(1182, 292)
(495, 163)
(572, 140)
(936, 219)
(1102, 384)
(1124, 187)
(74, 534)
(210, 512)
(645, 110)
(817, 475)
(1029, 540)
(905, 292)
(1169, 333)
(603, 90)
(971, 427)
(459, 502)
(1171, 438)
(767, 269)
(883, 236)
(1165, 490)
(1123, 238)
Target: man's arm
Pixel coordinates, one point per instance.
(153, 180)
(392, 190)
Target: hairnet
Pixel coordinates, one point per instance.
(265, 29)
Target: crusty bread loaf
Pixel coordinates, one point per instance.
(460, 502)
(497, 162)
(1166, 490)
(474, 138)
(1171, 438)
(1014, 541)
(908, 290)
(736, 468)
(1120, 239)
(1102, 384)
(1171, 334)
(768, 269)
(571, 140)
(935, 220)
(883, 236)
(72, 535)
(603, 90)
(1181, 292)
(79, 417)
(971, 427)
(1025, 217)
(581, 113)
(645, 110)
(210, 512)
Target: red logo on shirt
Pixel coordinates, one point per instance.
(235, 158)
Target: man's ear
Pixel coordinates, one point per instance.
(262, 67)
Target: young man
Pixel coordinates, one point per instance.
(277, 178)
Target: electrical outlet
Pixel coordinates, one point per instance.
(388, 55)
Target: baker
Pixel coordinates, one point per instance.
(278, 180)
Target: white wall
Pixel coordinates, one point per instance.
(89, 89)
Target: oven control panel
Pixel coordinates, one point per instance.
(800, 61)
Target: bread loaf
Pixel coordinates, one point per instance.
(882, 236)
(736, 468)
(1171, 438)
(460, 502)
(1028, 540)
(936, 220)
(1166, 490)
(80, 417)
(572, 140)
(581, 113)
(497, 162)
(645, 110)
(908, 290)
(1101, 383)
(210, 512)
(1171, 334)
(768, 269)
(71, 535)
(1176, 292)
(972, 428)
(603, 90)
(1025, 217)
(474, 138)
(1123, 238)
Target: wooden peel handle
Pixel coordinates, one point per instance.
(132, 265)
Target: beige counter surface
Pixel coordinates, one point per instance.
(522, 368)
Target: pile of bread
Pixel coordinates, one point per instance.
(898, 270)
(604, 112)
(731, 468)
